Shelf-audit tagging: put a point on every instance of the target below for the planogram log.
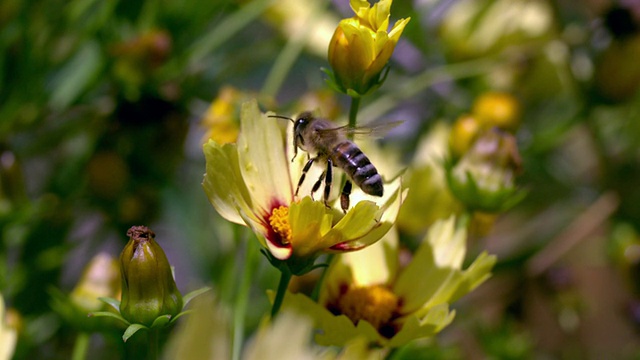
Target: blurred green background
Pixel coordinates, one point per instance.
(101, 105)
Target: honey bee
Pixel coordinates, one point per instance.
(330, 144)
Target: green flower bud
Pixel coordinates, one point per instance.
(484, 178)
(148, 287)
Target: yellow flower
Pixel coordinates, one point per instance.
(100, 278)
(368, 293)
(221, 118)
(8, 335)
(362, 45)
(205, 334)
(497, 109)
(252, 183)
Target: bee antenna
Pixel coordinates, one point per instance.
(282, 117)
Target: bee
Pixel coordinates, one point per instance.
(330, 145)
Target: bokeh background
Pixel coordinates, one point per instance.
(103, 108)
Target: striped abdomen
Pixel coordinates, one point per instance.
(355, 163)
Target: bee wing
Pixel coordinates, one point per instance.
(375, 131)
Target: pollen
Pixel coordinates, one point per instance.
(375, 304)
(279, 221)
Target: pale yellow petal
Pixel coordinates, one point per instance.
(376, 264)
(420, 327)
(223, 182)
(309, 220)
(438, 278)
(263, 165)
(287, 338)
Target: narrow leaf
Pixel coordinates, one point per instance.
(190, 296)
(132, 329)
(111, 301)
(161, 321)
(108, 314)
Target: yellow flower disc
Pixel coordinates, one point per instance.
(375, 304)
(279, 221)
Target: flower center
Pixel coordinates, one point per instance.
(375, 304)
(279, 221)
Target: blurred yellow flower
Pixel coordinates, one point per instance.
(429, 198)
(368, 293)
(361, 46)
(205, 335)
(8, 335)
(100, 278)
(221, 118)
(252, 183)
(499, 109)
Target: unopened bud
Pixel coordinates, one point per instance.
(148, 287)
(484, 178)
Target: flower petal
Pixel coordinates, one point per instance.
(336, 330)
(475, 274)
(386, 215)
(309, 220)
(261, 156)
(374, 265)
(428, 325)
(223, 182)
(439, 277)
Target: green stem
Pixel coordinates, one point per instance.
(226, 29)
(154, 343)
(353, 113)
(285, 277)
(80, 347)
(426, 79)
(242, 300)
(315, 295)
(285, 60)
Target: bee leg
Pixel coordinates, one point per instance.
(304, 173)
(327, 182)
(316, 186)
(344, 197)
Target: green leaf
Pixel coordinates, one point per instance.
(175, 318)
(111, 301)
(72, 80)
(132, 329)
(161, 321)
(190, 296)
(108, 314)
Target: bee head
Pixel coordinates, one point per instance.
(302, 121)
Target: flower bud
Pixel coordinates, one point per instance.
(484, 178)
(361, 46)
(148, 287)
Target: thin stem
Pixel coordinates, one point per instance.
(228, 27)
(290, 53)
(353, 112)
(285, 277)
(316, 290)
(80, 347)
(154, 343)
(426, 79)
(242, 300)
